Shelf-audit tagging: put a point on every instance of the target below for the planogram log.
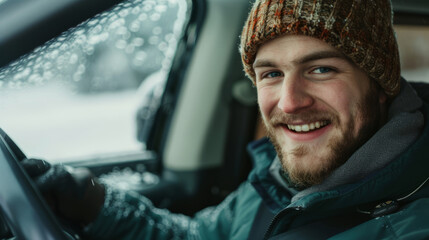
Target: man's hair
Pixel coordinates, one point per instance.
(361, 30)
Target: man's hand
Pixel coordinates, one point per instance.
(72, 193)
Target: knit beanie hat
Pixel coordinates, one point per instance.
(360, 29)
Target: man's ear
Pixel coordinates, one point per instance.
(382, 97)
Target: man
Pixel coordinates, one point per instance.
(346, 158)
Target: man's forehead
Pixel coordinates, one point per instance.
(302, 59)
(298, 48)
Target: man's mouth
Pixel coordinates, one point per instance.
(307, 127)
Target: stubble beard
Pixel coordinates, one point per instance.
(340, 147)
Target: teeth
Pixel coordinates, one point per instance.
(307, 127)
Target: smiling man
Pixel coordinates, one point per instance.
(347, 154)
(348, 132)
(317, 105)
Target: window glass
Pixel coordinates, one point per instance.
(414, 52)
(77, 96)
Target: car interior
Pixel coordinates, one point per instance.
(149, 95)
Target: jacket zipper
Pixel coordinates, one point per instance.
(278, 216)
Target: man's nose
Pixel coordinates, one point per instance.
(294, 95)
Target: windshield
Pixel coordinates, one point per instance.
(79, 95)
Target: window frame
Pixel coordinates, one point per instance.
(43, 20)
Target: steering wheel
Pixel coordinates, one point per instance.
(21, 203)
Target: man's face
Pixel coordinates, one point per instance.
(318, 107)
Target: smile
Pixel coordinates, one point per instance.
(307, 127)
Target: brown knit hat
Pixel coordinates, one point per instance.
(360, 29)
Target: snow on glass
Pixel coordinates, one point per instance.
(80, 88)
(141, 32)
(128, 179)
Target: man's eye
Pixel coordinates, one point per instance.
(272, 75)
(322, 70)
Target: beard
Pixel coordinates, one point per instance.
(309, 165)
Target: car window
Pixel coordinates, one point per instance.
(414, 51)
(79, 95)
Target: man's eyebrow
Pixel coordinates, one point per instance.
(320, 55)
(305, 59)
(263, 63)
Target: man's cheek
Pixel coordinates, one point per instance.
(266, 104)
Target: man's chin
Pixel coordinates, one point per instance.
(306, 169)
(303, 163)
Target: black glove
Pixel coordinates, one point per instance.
(72, 193)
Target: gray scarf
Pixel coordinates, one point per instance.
(403, 127)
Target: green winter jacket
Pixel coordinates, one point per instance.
(131, 216)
